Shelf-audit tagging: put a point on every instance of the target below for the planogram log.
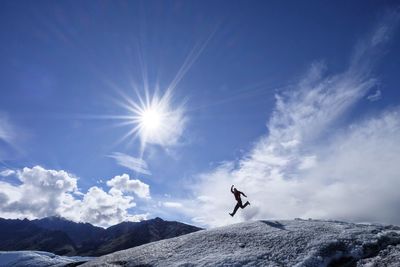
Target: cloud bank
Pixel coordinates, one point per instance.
(42, 192)
(313, 162)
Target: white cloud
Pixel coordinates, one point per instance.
(172, 204)
(44, 192)
(105, 208)
(132, 163)
(375, 96)
(100, 208)
(40, 193)
(7, 172)
(125, 184)
(309, 164)
(358, 178)
(3, 199)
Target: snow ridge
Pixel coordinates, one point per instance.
(300, 243)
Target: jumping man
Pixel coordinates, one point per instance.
(239, 204)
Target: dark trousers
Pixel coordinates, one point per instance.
(239, 205)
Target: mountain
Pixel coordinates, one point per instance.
(78, 232)
(25, 235)
(64, 237)
(301, 243)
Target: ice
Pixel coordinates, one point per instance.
(268, 243)
(36, 259)
(386, 257)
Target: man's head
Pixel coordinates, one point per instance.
(234, 190)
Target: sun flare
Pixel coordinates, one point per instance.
(151, 120)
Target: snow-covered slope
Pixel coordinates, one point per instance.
(270, 243)
(37, 259)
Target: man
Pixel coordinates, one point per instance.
(239, 204)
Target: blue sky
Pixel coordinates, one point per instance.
(265, 95)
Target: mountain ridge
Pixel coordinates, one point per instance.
(63, 237)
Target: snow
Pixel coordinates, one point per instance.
(297, 243)
(36, 259)
(386, 257)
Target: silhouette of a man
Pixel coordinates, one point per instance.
(239, 204)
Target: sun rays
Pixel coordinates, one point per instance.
(149, 112)
(154, 119)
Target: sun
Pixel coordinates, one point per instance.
(150, 120)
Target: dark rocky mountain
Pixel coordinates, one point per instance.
(25, 235)
(78, 232)
(63, 237)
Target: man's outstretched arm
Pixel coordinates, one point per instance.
(243, 194)
(232, 189)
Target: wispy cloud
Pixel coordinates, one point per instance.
(11, 138)
(375, 96)
(311, 164)
(136, 164)
(7, 172)
(7, 132)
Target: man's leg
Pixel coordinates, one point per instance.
(245, 205)
(235, 209)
